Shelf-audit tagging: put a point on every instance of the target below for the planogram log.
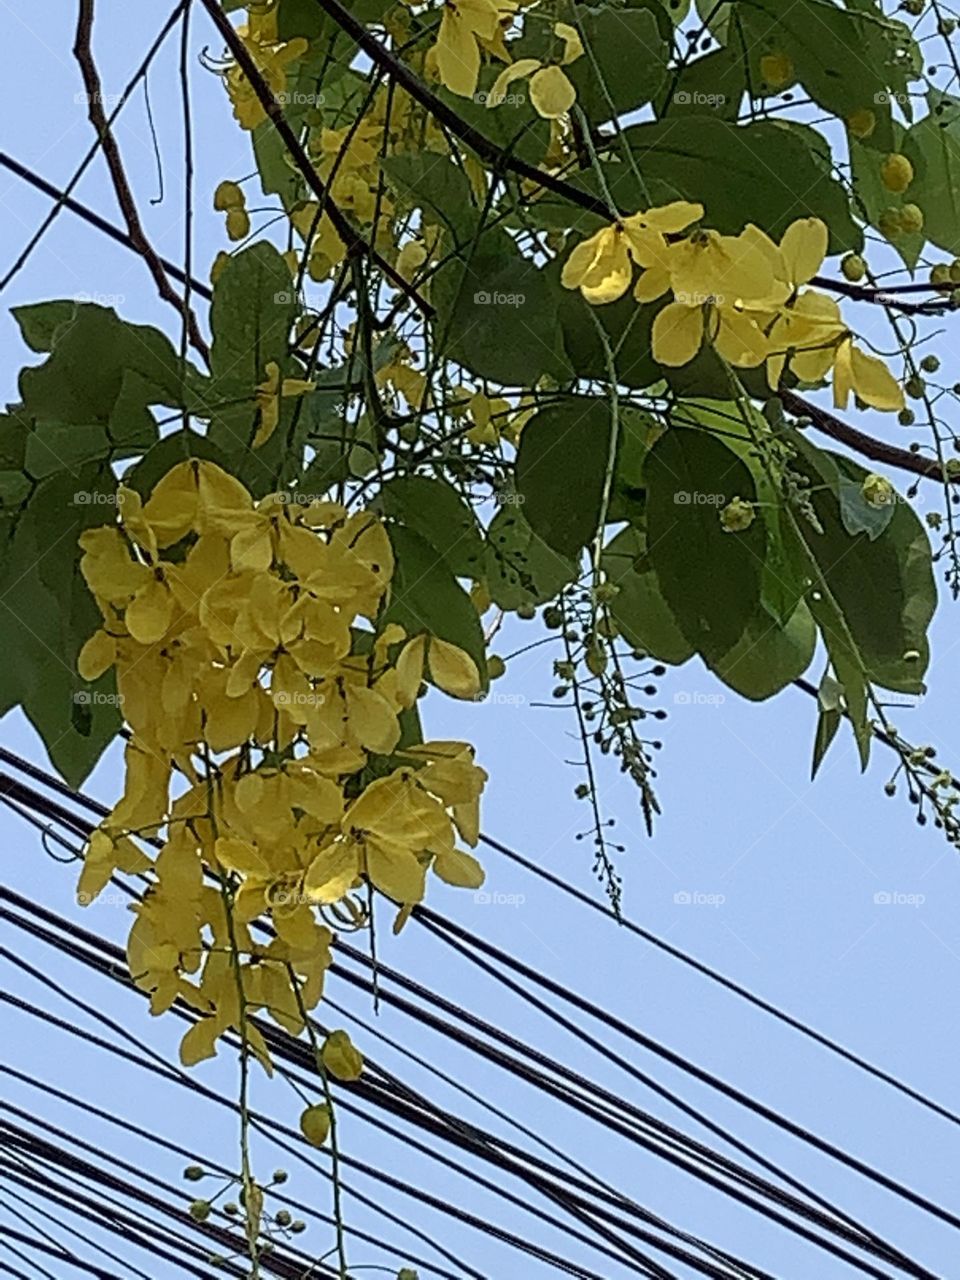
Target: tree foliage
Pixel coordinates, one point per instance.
(554, 306)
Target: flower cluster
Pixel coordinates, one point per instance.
(254, 677)
(743, 294)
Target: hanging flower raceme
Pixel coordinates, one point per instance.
(269, 756)
(744, 295)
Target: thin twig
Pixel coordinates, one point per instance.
(83, 52)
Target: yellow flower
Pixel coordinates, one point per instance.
(273, 61)
(463, 24)
(600, 267)
(269, 394)
(867, 377)
(551, 90)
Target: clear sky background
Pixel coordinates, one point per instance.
(784, 875)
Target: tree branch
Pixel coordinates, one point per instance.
(83, 52)
(867, 446)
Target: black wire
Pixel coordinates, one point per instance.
(795, 1206)
(212, 1166)
(31, 926)
(722, 980)
(440, 926)
(886, 1248)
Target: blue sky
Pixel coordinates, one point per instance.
(783, 876)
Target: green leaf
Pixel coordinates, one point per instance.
(436, 511)
(498, 314)
(710, 579)
(432, 182)
(847, 61)
(884, 586)
(828, 722)
(59, 446)
(40, 321)
(933, 147)
(710, 86)
(768, 656)
(251, 316)
(90, 355)
(426, 597)
(639, 609)
(625, 62)
(560, 471)
(768, 172)
(628, 329)
(521, 569)
(47, 614)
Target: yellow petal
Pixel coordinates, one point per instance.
(97, 656)
(572, 44)
(516, 71)
(453, 670)
(200, 1041)
(677, 334)
(315, 1125)
(341, 1057)
(651, 284)
(804, 247)
(332, 873)
(552, 92)
(874, 383)
(455, 867)
(150, 613)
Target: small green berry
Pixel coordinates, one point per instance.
(930, 364)
(853, 267)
